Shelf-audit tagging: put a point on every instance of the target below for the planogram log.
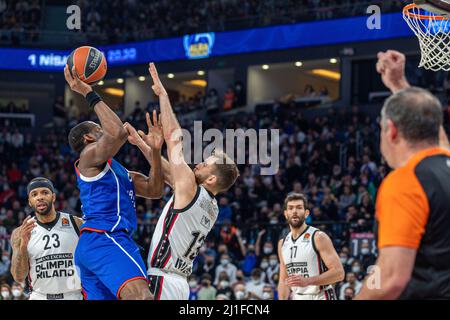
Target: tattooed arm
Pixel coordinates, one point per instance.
(19, 242)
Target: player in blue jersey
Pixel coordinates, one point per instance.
(108, 260)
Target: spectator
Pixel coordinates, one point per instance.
(224, 287)
(222, 296)
(17, 292)
(207, 291)
(209, 265)
(250, 260)
(349, 293)
(17, 139)
(232, 241)
(274, 268)
(347, 199)
(5, 263)
(268, 293)
(228, 99)
(240, 292)
(193, 288)
(227, 267)
(351, 281)
(6, 292)
(366, 257)
(240, 94)
(256, 286)
(357, 269)
(225, 211)
(212, 102)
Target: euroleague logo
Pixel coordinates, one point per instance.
(198, 45)
(307, 237)
(95, 58)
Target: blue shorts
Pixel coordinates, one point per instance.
(106, 262)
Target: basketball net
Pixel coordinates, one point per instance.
(433, 31)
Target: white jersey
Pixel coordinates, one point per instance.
(301, 258)
(51, 256)
(179, 234)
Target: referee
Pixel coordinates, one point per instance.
(413, 202)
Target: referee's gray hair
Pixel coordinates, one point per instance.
(416, 113)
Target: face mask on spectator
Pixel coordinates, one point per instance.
(365, 251)
(192, 284)
(5, 294)
(264, 265)
(267, 250)
(266, 295)
(16, 293)
(205, 283)
(256, 281)
(224, 262)
(5, 259)
(239, 295)
(356, 269)
(273, 262)
(224, 284)
(343, 260)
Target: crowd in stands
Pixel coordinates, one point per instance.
(239, 259)
(20, 20)
(158, 19)
(121, 21)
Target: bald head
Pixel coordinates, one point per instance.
(416, 113)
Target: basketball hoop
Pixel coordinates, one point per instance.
(433, 31)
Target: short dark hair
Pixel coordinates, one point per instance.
(225, 170)
(295, 196)
(76, 135)
(416, 113)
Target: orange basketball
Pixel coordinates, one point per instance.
(90, 64)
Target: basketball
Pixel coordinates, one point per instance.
(90, 64)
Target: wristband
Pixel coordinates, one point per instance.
(92, 99)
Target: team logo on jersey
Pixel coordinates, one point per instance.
(65, 222)
(206, 222)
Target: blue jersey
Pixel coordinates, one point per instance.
(108, 199)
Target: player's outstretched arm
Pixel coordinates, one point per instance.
(19, 242)
(152, 186)
(114, 135)
(335, 272)
(391, 66)
(391, 274)
(283, 289)
(184, 183)
(155, 132)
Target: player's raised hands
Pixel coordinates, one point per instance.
(391, 66)
(75, 83)
(157, 86)
(154, 138)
